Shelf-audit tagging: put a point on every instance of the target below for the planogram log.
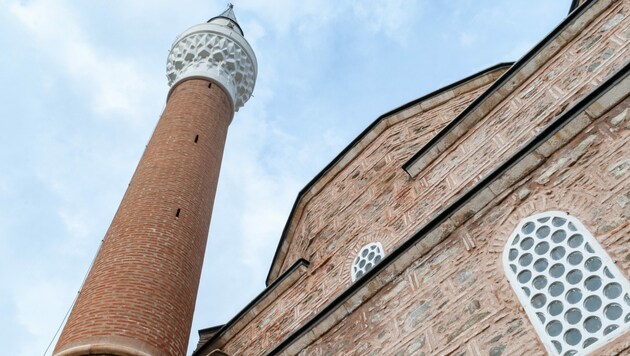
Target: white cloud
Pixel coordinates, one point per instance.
(255, 182)
(262, 227)
(40, 308)
(394, 18)
(285, 15)
(255, 32)
(116, 85)
(80, 229)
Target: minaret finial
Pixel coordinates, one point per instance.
(229, 13)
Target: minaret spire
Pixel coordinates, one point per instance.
(228, 14)
(139, 296)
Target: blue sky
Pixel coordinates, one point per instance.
(83, 84)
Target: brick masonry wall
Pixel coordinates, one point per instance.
(601, 49)
(378, 166)
(580, 2)
(598, 51)
(142, 288)
(595, 54)
(457, 300)
(373, 199)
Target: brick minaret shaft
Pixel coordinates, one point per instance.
(144, 281)
(139, 296)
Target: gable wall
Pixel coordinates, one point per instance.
(373, 199)
(349, 209)
(596, 53)
(457, 298)
(592, 56)
(354, 218)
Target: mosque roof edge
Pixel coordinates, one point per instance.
(618, 79)
(272, 274)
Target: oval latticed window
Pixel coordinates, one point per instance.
(574, 295)
(368, 257)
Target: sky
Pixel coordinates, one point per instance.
(83, 84)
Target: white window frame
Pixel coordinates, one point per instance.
(514, 261)
(355, 268)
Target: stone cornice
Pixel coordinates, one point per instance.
(114, 345)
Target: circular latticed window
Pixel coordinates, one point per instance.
(368, 257)
(573, 293)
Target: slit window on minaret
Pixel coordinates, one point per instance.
(177, 213)
(196, 138)
(571, 290)
(209, 85)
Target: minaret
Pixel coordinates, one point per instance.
(139, 296)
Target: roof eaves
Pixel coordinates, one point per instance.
(266, 292)
(360, 137)
(430, 148)
(545, 134)
(574, 5)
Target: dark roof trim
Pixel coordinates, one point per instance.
(229, 15)
(210, 329)
(207, 334)
(574, 5)
(424, 98)
(496, 86)
(361, 136)
(299, 263)
(529, 147)
(232, 21)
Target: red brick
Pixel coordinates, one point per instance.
(142, 288)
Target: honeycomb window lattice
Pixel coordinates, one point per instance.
(366, 259)
(574, 295)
